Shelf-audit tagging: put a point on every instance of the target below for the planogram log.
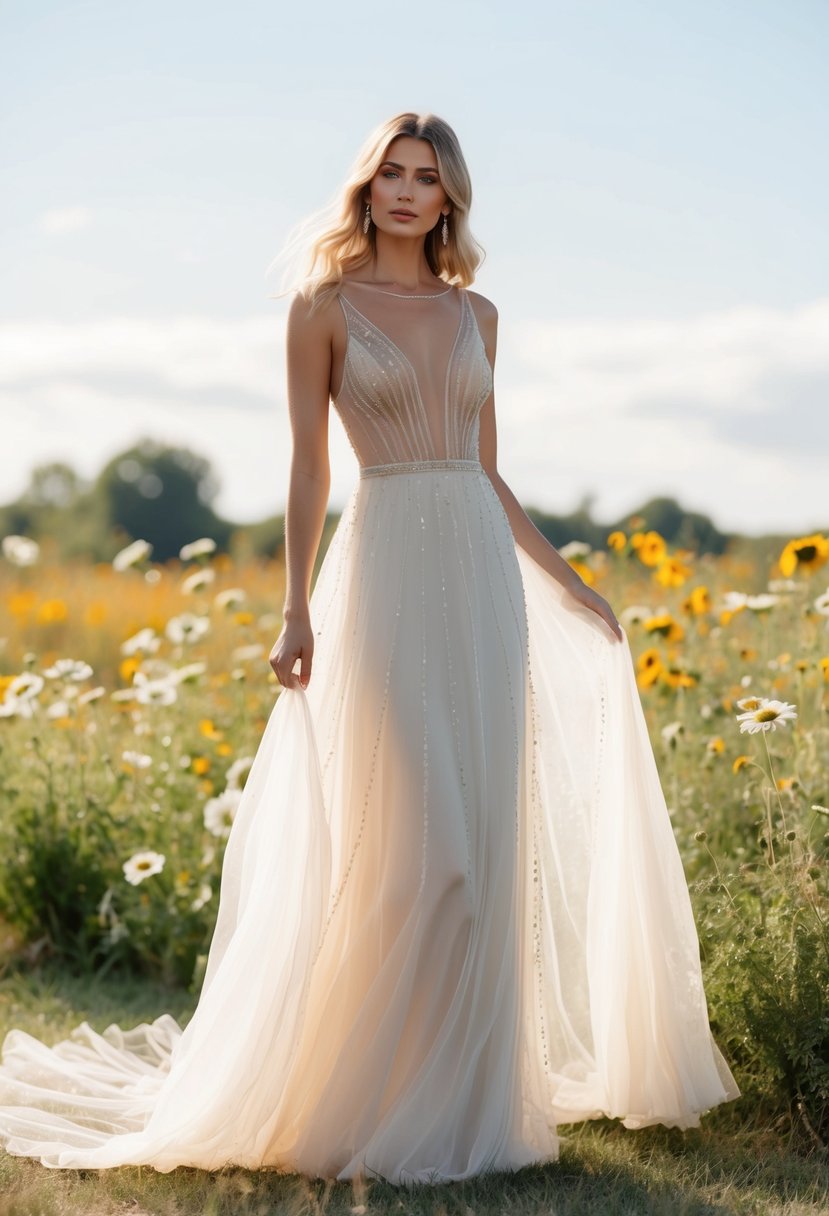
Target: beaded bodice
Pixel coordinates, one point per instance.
(415, 376)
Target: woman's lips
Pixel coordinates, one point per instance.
(403, 215)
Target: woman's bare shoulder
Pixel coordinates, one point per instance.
(309, 317)
(486, 314)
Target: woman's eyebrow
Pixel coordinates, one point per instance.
(422, 169)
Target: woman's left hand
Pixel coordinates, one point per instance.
(598, 604)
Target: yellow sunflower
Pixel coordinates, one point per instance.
(651, 549)
(697, 601)
(663, 623)
(806, 553)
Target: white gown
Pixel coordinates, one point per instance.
(453, 913)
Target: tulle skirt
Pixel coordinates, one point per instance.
(452, 914)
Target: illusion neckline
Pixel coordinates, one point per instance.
(400, 295)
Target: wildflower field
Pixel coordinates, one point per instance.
(133, 696)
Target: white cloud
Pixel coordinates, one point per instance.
(58, 220)
(726, 411)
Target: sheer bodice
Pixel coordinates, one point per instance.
(411, 390)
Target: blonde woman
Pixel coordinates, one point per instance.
(453, 915)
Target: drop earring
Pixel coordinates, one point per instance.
(367, 217)
(445, 231)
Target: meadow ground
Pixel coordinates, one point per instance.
(132, 697)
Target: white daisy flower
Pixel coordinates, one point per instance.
(26, 686)
(153, 692)
(634, 615)
(780, 585)
(20, 550)
(137, 759)
(142, 865)
(230, 598)
(189, 673)
(671, 732)
(59, 709)
(197, 580)
(733, 601)
(197, 548)
(91, 694)
(575, 548)
(761, 603)
(204, 896)
(767, 716)
(822, 603)
(238, 772)
(146, 641)
(219, 812)
(132, 555)
(69, 669)
(750, 703)
(187, 627)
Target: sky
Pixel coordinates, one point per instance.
(650, 185)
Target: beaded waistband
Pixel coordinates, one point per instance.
(418, 466)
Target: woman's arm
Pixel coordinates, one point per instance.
(523, 529)
(308, 357)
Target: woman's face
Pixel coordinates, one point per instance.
(407, 180)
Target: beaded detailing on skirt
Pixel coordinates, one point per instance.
(417, 466)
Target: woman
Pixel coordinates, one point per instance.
(452, 914)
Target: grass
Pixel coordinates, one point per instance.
(721, 1167)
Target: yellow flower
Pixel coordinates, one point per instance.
(224, 749)
(52, 611)
(739, 763)
(617, 541)
(584, 572)
(807, 553)
(715, 746)
(748, 653)
(665, 625)
(671, 572)
(243, 618)
(652, 549)
(201, 765)
(824, 667)
(675, 677)
(209, 730)
(697, 602)
(128, 667)
(649, 668)
(785, 783)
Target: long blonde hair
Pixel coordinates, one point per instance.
(333, 242)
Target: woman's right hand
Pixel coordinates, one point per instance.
(296, 641)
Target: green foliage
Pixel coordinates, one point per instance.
(161, 495)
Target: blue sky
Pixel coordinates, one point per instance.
(650, 184)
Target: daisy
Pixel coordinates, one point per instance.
(69, 669)
(230, 598)
(153, 692)
(132, 555)
(197, 580)
(20, 550)
(219, 812)
(767, 716)
(142, 865)
(146, 641)
(187, 627)
(197, 548)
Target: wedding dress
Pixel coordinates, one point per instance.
(453, 913)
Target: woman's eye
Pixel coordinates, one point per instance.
(391, 173)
